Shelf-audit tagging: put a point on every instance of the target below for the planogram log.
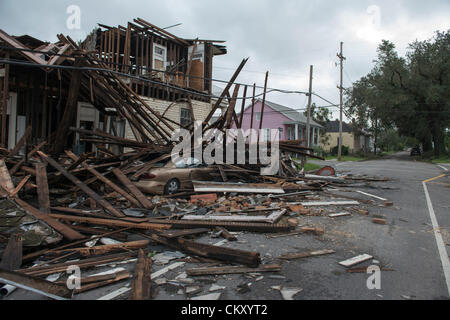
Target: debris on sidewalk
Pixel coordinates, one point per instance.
(355, 260)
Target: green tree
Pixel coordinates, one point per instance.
(408, 94)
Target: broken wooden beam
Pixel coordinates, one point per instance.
(102, 202)
(65, 230)
(112, 222)
(82, 264)
(99, 250)
(226, 234)
(90, 284)
(299, 255)
(133, 189)
(19, 186)
(231, 270)
(44, 287)
(42, 189)
(141, 285)
(106, 181)
(249, 258)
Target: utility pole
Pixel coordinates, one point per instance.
(341, 58)
(308, 122)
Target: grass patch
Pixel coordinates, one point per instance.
(311, 166)
(346, 158)
(441, 160)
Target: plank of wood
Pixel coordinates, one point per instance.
(12, 256)
(42, 190)
(44, 287)
(65, 230)
(141, 285)
(82, 264)
(98, 250)
(226, 234)
(20, 186)
(170, 234)
(229, 255)
(112, 223)
(133, 189)
(231, 270)
(299, 255)
(91, 193)
(275, 216)
(355, 260)
(117, 277)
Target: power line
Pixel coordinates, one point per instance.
(131, 66)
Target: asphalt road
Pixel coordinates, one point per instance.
(406, 244)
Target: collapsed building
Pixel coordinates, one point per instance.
(170, 74)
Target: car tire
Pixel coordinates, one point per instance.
(172, 187)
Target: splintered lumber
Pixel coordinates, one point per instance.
(141, 285)
(42, 189)
(105, 180)
(231, 270)
(12, 256)
(102, 202)
(169, 234)
(88, 284)
(207, 186)
(98, 250)
(112, 223)
(29, 283)
(19, 186)
(226, 234)
(269, 219)
(82, 264)
(65, 230)
(299, 255)
(355, 260)
(231, 226)
(5, 178)
(70, 111)
(111, 234)
(248, 258)
(133, 189)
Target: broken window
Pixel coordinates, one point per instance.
(185, 117)
(159, 57)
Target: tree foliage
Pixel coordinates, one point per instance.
(409, 94)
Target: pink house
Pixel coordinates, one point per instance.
(290, 123)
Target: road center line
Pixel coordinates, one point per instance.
(437, 234)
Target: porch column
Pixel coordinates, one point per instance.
(296, 132)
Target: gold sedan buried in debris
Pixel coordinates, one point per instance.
(172, 178)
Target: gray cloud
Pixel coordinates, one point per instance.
(284, 37)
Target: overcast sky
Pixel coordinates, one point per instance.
(282, 37)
